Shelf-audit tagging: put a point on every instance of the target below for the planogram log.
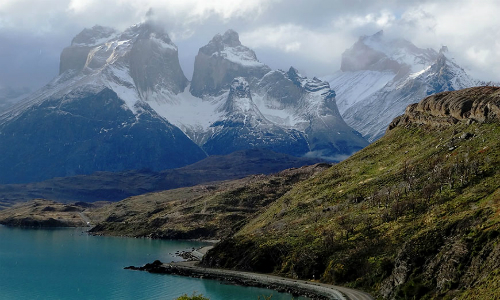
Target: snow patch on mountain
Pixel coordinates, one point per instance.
(272, 110)
(240, 55)
(352, 87)
(189, 113)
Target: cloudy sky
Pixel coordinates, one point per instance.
(308, 34)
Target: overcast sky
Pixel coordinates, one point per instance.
(308, 34)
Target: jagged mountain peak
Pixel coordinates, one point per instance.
(138, 63)
(148, 30)
(294, 75)
(229, 47)
(381, 76)
(230, 38)
(220, 61)
(220, 41)
(93, 36)
(240, 106)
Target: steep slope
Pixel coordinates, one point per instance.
(308, 105)
(415, 215)
(94, 116)
(109, 186)
(243, 126)
(379, 77)
(86, 132)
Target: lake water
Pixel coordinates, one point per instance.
(69, 264)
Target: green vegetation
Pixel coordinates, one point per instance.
(413, 216)
(192, 297)
(204, 211)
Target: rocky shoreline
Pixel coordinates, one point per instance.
(295, 287)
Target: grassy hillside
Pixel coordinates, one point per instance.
(416, 215)
(205, 211)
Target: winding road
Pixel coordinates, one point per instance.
(331, 291)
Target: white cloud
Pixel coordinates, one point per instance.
(310, 35)
(470, 29)
(321, 50)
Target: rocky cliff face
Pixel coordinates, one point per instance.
(220, 61)
(478, 104)
(144, 51)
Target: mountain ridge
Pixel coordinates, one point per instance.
(137, 73)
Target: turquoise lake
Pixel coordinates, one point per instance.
(69, 264)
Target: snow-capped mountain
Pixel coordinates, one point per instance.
(282, 111)
(380, 77)
(121, 101)
(94, 116)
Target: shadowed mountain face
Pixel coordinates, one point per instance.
(91, 132)
(121, 102)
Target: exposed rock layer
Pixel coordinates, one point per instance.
(477, 104)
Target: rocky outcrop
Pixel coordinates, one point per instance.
(220, 61)
(477, 104)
